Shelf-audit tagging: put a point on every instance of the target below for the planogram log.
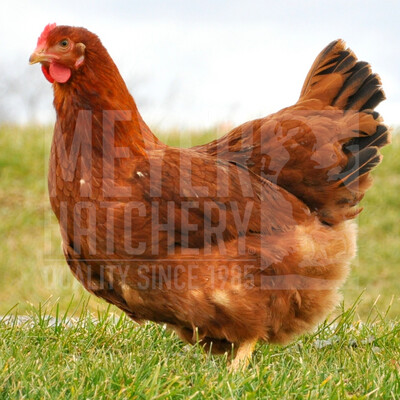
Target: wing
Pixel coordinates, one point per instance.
(192, 200)
(322, 148)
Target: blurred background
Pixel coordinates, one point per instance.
(195, 69)
(201, 63)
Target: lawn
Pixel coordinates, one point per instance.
(112, 358)
(356, 356)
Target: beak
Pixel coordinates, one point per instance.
(36, 57)
(41, 56)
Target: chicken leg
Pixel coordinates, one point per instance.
(243, 355)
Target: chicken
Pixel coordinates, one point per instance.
(245, 239)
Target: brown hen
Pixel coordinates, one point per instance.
(244, 239)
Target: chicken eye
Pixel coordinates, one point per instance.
(64, 43)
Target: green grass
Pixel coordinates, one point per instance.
(377, 266)
(117, 359)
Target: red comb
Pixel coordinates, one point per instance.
(43, 37)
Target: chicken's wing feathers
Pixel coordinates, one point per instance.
(217, 187)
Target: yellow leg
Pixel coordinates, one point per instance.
(243, 355)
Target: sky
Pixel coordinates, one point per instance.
(196, 64)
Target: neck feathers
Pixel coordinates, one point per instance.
(98, 87)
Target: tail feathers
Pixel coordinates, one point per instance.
(380, 138)
(358, 165)
(361, 152)
(338, 79)
(348, 187)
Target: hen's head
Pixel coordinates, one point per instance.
(62, 50)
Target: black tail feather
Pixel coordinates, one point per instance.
(379, 139)
(359, 164)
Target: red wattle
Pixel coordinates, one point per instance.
(46, 74)
(59, 72)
